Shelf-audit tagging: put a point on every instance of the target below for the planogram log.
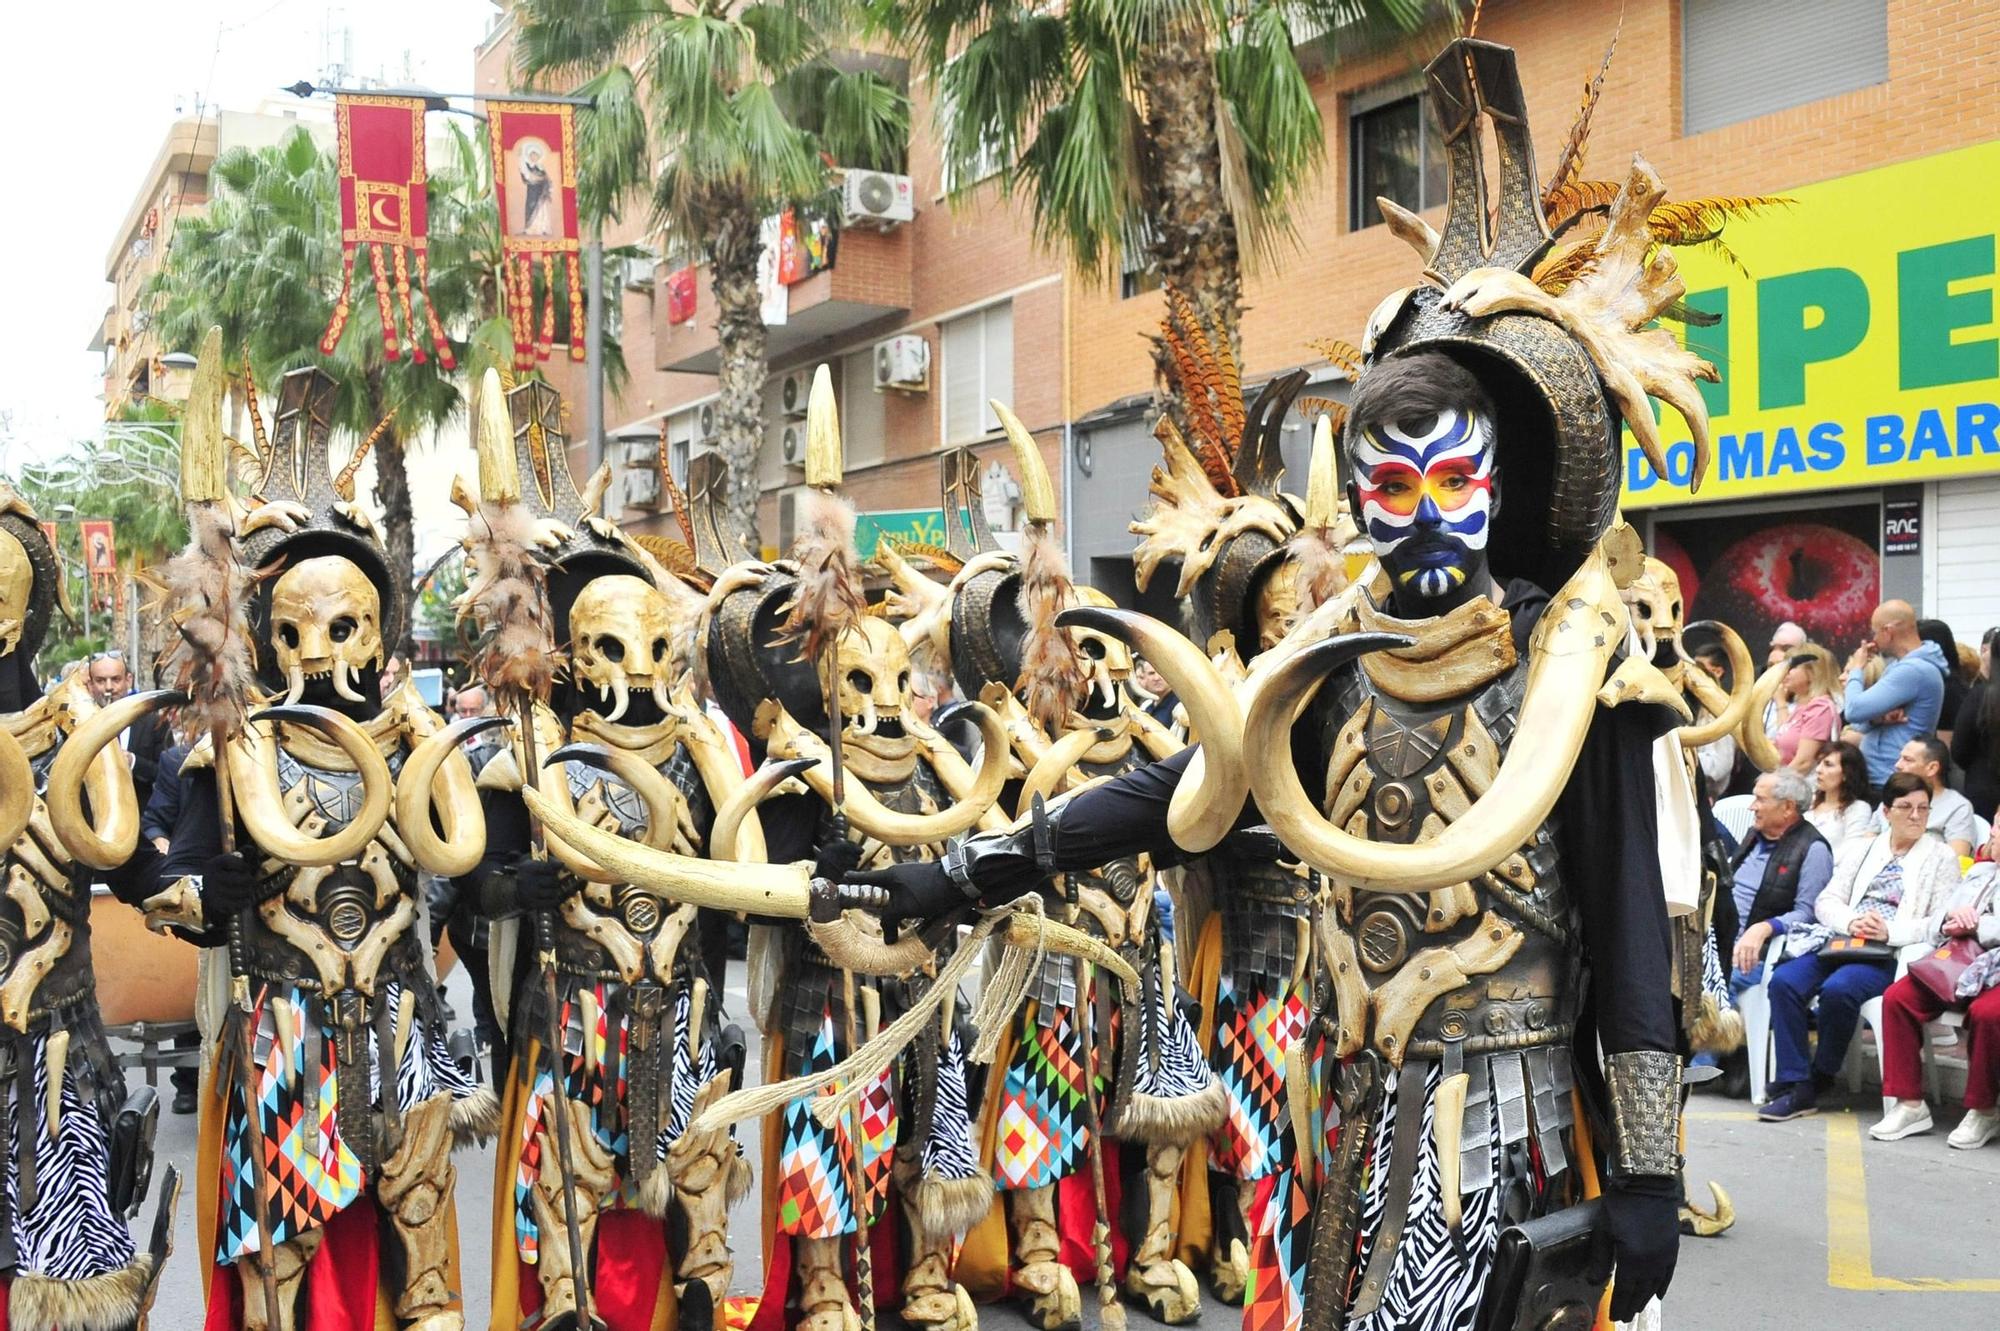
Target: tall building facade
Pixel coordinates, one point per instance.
(1857, 421)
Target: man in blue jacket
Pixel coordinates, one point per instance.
(1905, 702)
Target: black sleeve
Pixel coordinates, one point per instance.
(1609, 840)
(1968, 742)
(192, 841)
(791, 826)
(507, 840)
(163, 807)
(1125, 816)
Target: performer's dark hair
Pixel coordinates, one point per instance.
(1415, 387)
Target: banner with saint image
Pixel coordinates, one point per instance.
(534, 177)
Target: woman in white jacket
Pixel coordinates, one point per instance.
(1885, 891)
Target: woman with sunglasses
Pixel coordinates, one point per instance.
(1885, 894)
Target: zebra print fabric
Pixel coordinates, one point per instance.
(1180, 1068)
(1430, 1284)
(70, 1232)
(948, 1150)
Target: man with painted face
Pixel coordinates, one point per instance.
(1492, 951)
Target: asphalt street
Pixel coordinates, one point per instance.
(1833, 1230)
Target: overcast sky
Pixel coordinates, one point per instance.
(90, 90)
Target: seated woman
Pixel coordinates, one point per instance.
(1974, 913)
(1840, 807)
(1805, 715)
(1886, 892)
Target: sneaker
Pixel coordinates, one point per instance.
(1978, 1127)
(1796, 1102)
(1902, 1120)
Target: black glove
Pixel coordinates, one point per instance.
(1640, 1236)
(228, 885)
(538, 884)
(837, 859)
(920, 890)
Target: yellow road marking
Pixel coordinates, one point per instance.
(1722, 1115)
(1849, 1254)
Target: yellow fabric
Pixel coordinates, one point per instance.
(1586, 1168)
(1196, 1213)
(208, 1167)
(986, 1255)
(506, 1278)
(774, 1145)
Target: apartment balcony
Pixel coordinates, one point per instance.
(869, 283)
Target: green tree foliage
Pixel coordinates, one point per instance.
(718, 114)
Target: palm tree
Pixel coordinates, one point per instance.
(1174, 132)
(264, 264)
(747, 111)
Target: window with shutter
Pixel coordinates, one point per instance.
(978, 352)
(1746, 58)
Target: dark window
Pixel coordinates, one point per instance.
(1393, 152)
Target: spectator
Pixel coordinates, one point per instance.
(1904, 703)
(1717, 758)
(1807, 715)
(1840, 807)
(1786, 640)
(1161, 699)
(1780, 868)
(392, 675)
(467, 703)
(1974, 913)
(1975, 745)
(1886, 893)
(109, 679)
(1951, 813)
(1956, 685)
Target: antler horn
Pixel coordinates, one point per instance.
(1571, 648)
(253, 773)
(893, 828)
(1217, 781)
(109, 841)
(1728, 709)
(441, 758)
(778, 890)
(729, 815)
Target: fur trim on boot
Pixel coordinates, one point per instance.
(1176, 1121)
(107, 1302)
(656, 1192)
(943, 1209)
(475, 1120)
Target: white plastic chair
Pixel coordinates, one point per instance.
(1733, 812)
(1982, 829)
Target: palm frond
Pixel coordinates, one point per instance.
(1564, 204)
(1698, 221)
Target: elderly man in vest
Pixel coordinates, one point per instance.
(1780, 868)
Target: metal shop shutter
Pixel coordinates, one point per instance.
(1964, 587)
(1746, 58)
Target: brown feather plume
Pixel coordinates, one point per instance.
(1052, 681)
(206, 594)
(1569, 164)
(1564, 205)
(830, 597)
(1341, 354)
(675, 495)
(506, 601)
(1312, 408)
(343, 484)
(934, 556)
(1209, 390)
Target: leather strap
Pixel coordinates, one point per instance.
(643, 1079)
(1337, 1217)
(351, 1108)
(1412, 1084)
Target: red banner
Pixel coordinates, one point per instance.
(680, 295)
(534, 177)
(383, 205)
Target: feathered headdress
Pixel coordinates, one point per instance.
(508, 545)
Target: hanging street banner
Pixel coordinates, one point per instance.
(1857, 346)
(384, 206)
(534, 177)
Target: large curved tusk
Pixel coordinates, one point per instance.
(1751, 736)
(1736, 705)
(892, 828)
(109, 842)
(653, 790)
(458, 812)
(1572, 646)
(17, 789)
(253, 776)
(777, 890)
(1056, 762)
(1217, 781)
(757, 788)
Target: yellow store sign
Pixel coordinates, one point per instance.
(1859, 348)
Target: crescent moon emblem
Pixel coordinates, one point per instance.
(377, 213)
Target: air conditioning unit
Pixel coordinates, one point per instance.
(876, 198)
(639, 488)
(903, 362)
(793, 392)
(639, 273)
(704, 423)
(641, 452)
(793, 445)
